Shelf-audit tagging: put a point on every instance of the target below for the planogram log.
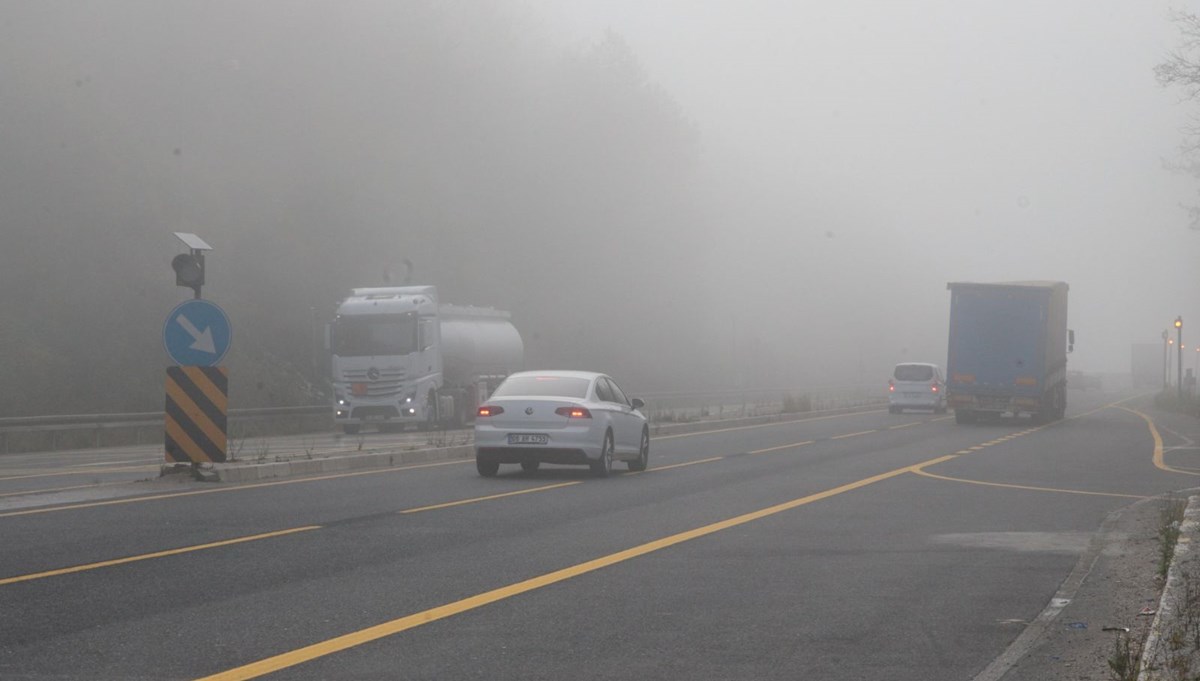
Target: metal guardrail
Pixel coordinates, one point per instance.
(147, 418)
(98, 424)
(658, 401)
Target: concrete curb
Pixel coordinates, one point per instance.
(390, 458)
(225, 472)
(1165, 620)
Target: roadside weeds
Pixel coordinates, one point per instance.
(1171, 651)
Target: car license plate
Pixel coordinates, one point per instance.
(912, 395)
(527, 439)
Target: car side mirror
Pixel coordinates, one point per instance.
(637, 403)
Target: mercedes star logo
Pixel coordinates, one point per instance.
(373, 374)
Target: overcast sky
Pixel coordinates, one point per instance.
(968, 140)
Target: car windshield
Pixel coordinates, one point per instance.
(543, 386)
(914, 372)
(363, 336)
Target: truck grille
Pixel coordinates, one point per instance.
(374, 412)
(389, 383)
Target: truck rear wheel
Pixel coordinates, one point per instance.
(351, 428)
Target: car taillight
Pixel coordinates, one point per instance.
(891, 386)
(933, 388)
(574, 412)
(490, 411)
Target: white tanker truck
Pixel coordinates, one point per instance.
(400, 357)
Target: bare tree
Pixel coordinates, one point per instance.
(1182, 70)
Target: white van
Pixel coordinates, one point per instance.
(917, 385)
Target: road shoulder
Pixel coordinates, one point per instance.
(1120, 579)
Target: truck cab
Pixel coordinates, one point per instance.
(386, 367)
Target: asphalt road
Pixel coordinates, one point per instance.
(860, 546)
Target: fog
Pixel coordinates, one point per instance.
(687, 195)
(883, 149)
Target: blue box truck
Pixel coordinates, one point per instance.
(1008, 350)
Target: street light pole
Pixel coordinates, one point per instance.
(1196, 370)
(1179, 330)
(1170, 360)
(1166, 354)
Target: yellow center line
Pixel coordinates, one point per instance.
(776, 449)
(905, 425)
(685, 463)
(1158, 460)
(463, 502)
(157, 554)
(385, 629)
(768, 425)
(279, 533)
(927, 474)
(861, 432)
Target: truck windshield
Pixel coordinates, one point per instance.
(361, 336)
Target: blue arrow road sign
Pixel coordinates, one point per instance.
(197, 333)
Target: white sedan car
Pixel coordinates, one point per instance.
(564, 417)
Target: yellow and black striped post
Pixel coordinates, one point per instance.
(197, 399)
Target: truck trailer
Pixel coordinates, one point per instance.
(1008, 350)
(400, 357)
